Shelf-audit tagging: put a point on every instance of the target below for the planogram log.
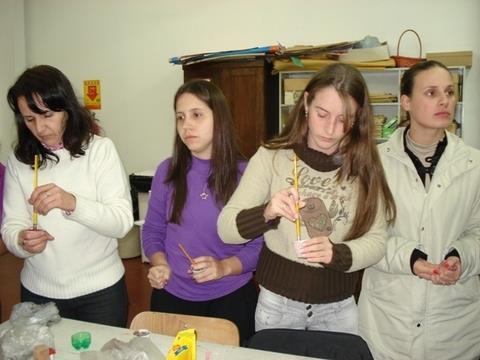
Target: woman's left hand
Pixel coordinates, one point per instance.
(47, 197)
(447, 272)
(317, 250)
(207, 268)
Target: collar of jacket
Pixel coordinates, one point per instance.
(457, 155)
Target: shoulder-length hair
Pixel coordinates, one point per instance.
(224, 174)
(46, 85)
(360, 158)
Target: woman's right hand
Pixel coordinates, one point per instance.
(158, 275)
(283, 203)
(34, 241)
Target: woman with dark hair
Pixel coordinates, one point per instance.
(82, 201)
(422, 300)
(206, 277)
(309, 284)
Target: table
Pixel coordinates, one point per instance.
(102, 333)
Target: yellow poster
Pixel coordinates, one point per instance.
(91, 94)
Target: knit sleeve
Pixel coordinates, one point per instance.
(368, 249)
(249, 254)
(17, 210)
(110, 213)
(240, 219)
(341, 259)
(155, 227)
(251, 223)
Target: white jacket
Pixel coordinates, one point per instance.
(401, 315)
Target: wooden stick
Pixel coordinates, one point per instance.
(186, 254)
(295, 185)
(35, 184)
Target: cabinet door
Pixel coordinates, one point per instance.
(244, 84)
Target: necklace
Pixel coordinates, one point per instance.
(204, 194)
(53, 147)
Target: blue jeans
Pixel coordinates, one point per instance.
(108, 306)
(276, 311)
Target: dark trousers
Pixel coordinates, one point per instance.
(108, 306)
(238, 307)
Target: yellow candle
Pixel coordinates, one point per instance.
(35, 184)
(295, 185)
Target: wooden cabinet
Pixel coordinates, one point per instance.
(252, 93)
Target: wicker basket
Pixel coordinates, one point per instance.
(404, 61)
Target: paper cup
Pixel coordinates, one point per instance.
(298, 245)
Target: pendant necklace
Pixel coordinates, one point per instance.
(204, 194)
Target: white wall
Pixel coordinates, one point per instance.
(126, 44)
(12, 62)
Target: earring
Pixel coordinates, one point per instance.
(306, 114)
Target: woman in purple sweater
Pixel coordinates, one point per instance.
(188, 192)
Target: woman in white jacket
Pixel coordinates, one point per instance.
(422, 300)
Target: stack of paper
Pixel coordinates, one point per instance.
(229, 54)
(366, 54)
(382, 98)
(378, 121)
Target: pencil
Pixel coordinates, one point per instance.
(186, 254)
(35, 184)
(295, 185)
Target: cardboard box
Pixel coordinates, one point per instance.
(452, 58)
(295, 84)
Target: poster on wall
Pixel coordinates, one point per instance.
(91, 94)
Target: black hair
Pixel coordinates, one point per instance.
(48, 86)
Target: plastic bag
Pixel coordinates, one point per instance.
(27, 313)
(139, 348)
(19, 341)
(27, 329)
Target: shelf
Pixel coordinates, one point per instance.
(385, 104)
(379, 81)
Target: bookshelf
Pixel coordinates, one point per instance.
(380, 82)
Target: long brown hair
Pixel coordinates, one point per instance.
(360, 158)
(224, 174)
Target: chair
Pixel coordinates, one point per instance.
(215, 330)
(321, 344)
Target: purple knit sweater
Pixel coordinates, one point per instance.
(197, 233)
